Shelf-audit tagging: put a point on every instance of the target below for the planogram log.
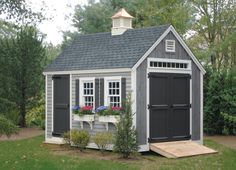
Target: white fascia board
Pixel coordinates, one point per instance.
(171, 28)
(117, 70)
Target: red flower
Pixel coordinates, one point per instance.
(116, 108)
(89, 108)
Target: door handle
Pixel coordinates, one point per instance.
(180, 105)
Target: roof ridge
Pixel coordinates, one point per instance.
(98, 33)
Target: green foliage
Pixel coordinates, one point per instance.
(22, 59)
(7, 127)
(9, 110)
(215, 36)
(36, 116)
(102, 140)
(229, 124)
(80, 138)
(219, 91)
(126, 135)
(66, 137)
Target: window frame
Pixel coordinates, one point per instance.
(106, 89)
(81, 90)
(166, 46)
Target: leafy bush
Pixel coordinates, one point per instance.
(229, 124)
(104, 110)
(126, 136)
(219, 97)
(7, 127)
(80, 138)
(36, 116)
(102, 140)
(9, 110)
(66, 137)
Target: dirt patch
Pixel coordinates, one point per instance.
(229, 141)
(96, 154)
(23, 134)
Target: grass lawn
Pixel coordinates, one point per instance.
(32, 154)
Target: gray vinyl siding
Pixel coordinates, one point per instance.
(159, 51)
(141, 96)
(49, 106)
(196, 100)
(97, 126)
(141, 99)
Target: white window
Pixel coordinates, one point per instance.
(169, 64)
(113, 92)
(87, 92)
(170, 45)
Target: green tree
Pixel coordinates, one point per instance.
(126, 141)
(215, 30)
(22, 62)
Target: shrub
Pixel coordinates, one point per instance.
(36, 116)
(126, 136)
(102, 140)
(229, 124)
(66, 137)
(7, 127)
(80, 138)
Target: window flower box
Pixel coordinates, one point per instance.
(114, 119)
(84, 114)
(108, 115)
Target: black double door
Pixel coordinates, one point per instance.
(61, 104)
(169, 107)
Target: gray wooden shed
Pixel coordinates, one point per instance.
(153, 64)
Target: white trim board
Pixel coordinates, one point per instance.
(170, 29)
(115, 70)
(46, 107)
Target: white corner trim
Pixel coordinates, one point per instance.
(201, 108)
(70, 101)
(46, 107)
(52, 104)
(171, 28)
(115, 70)
(133, 95)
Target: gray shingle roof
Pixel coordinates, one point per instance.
(104, 51)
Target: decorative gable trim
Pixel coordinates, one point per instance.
(171, 28)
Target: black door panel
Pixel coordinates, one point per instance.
(169, 107)
(61, 103)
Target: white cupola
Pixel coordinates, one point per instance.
(121, 21)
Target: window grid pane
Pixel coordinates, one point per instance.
(88, 93)
(114, 93)
(156, 64)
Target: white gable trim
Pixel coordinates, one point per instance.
(171, 28)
